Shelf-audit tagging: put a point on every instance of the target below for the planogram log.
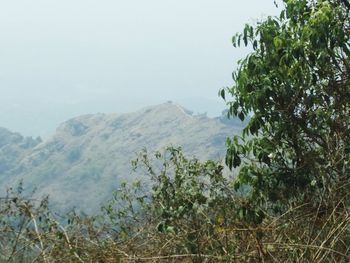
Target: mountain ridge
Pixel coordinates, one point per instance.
(89, 155)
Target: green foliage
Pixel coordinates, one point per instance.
(126, 210)
(293, 156)
(294, 86)
(192, 214)
(186, 195)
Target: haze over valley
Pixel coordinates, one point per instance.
(61, 59)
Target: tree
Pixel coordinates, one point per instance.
(295, 88)
(188, 199)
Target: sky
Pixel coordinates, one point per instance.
(64, 58)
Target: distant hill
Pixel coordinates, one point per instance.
(88, 156)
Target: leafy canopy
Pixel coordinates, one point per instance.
(294, 86)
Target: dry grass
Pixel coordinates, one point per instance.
(309, 232)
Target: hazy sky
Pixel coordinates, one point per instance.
(62, 58)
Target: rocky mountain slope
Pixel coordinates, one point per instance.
(90, 155)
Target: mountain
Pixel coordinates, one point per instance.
(90, 155)
(13, 148)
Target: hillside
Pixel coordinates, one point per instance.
(90, 155)
(13, 148)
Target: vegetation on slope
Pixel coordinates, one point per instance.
(289, 201)
(89, 156)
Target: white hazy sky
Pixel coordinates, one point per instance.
(62, 58)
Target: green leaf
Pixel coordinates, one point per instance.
(222, 94)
